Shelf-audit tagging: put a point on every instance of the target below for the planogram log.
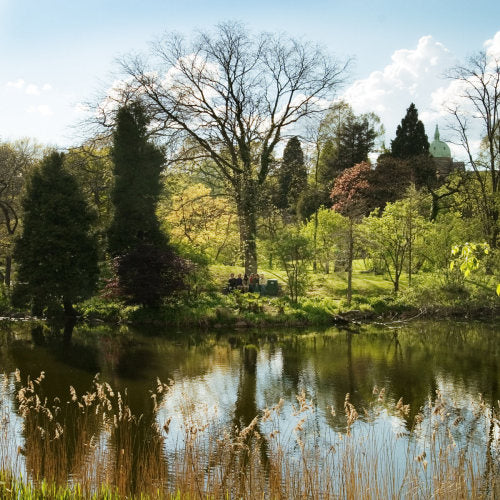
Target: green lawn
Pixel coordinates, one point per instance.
(332, 285)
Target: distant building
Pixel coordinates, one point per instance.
(441, 154)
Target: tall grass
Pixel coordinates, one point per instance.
(92, 446)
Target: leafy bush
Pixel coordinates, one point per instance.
(147, 274)
(357, 302)
(382, 304)
(98, 308)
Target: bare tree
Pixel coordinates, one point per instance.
(229, 96)
(479, 80)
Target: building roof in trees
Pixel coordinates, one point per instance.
(438, 148)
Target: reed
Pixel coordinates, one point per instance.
(92, 446)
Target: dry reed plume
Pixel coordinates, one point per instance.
(91, 445)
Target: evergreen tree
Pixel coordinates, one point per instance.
(292, 175)
(137, 169)
(356, 138)
(56, 254)
(411, 139)
(146, 268)
(326, 165)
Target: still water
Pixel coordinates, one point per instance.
(232, 376)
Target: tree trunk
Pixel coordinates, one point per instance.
(247, 207)
(396, 283)
(350, 258)
(494, 231)
(8, 268)
(410, 263)
(315, 236)
(69, 325)
(68, 308)
(434, 207)
(249, 238)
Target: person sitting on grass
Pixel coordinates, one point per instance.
(231, 283)
(239, 282)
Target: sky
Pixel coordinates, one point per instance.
(59, 55)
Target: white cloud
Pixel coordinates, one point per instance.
(42, 109)
(412, 76)
(29, 88)
(32, 89)
(493, 46)
(417, 75)
(18, 84)
(451, 96)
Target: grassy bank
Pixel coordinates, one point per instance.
(325, 301)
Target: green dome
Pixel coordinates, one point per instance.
(439, 149)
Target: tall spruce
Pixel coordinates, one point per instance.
(292, 175)
(411, 139)
(56, 254)
(137, 168)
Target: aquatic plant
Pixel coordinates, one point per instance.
(92, 446)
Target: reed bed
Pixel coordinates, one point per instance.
(92, 446)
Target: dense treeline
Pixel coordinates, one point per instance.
(199, 170)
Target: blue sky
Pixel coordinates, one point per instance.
(57, 55)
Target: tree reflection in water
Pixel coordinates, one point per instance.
(460, 360)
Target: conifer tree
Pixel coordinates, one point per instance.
(355, 140)
(411, 139)
(56, 254)
(137, 168)
(292, 175)
(326, 166)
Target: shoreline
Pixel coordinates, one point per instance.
(217, 318)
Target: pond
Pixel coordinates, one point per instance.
(200, 390)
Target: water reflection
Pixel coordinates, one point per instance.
(235, 376)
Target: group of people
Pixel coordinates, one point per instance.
(252, 283)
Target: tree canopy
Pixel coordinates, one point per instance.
(229, 96)
(56, 253)
(354, 140)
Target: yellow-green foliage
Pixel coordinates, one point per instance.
(196, 217)
(469, 257)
